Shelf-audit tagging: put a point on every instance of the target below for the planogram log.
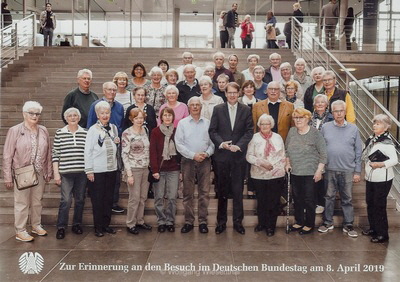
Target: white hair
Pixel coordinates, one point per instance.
(171, 87)
(253, 56)
(209, 67)
(314, 70)
(187, 54)
(83, 71)
(185, 67)
(286, 65)
(266, 118)
(102, 105)
(330, 73)
(259, 67)
(155, 70)
(205, 78)
(32, 105)
(300, 61)
(71, 110)
(338, 103)
(384, 119)
(193, 99)
(275, 55)
(321, 96)
(219, 54)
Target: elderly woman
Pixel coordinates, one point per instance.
(123, 96)
(209, 70)
(266, 154)
(315, 89)
(223, 33)
(171, 77)
(181, 110)
(165, 167)
(219, 59)
(320, 116)
(286, 73)
(207, 99)
(136, 158)
(261, 86)
(291, 89)
(222, 82)
(247, 32)
(101, 167)
(380, 157)
(28, 143)
(252, 61)
(69, 171)
(150, 121)
(138, 77)
(305, 159)
(155, 90)
(300, 74)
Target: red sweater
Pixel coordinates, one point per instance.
(156, 149)
(245, 28)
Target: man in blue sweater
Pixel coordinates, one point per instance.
(344, 147)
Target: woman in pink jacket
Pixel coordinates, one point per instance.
(247, 32)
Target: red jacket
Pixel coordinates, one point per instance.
(245, 28)
(156, 149)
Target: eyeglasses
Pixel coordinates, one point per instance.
(274, 89)
(290, 88)
(264, 124)
(111, 89)
(33, 114)
(328, 80)
(298, 118)
(232, 93)
(338, 111)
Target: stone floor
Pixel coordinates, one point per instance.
(151, 256)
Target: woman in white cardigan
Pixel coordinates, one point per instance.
(266, 154)
(380, 156)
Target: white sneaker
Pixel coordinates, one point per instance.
(319, 209)
(350, 231)
(325, 228)
(39, 230)
(24, 236)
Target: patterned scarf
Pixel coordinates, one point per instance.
(384, 138)
(315, 117)
(291, 100)
(269, 148)
(169, 146)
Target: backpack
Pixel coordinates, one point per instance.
(225, 19)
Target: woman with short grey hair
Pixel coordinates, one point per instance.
(28, 143)
(207, 99)
(315, 89)
(69, 171)
(252, 61)
(155, 89)
(300, 75)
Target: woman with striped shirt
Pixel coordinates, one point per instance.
(69, 170)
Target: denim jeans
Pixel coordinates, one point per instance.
(72, 184)
(48, 36)
(343, 182)
(166, 187)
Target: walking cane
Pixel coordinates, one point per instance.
(288, 203)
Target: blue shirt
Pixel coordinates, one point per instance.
(261, 93)
(117, 115)
(192, 137)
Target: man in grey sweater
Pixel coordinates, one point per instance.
(329, 19)
(344, 147)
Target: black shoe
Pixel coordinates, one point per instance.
(133, 230)
(117, 209)
(186, 228)
(259, 228)
(293, 228)
(77, 229)
(368, 232)
(379, 239)
(220, 228)
(170, 228)
(60, 233)
(203, 228)
(270, 232)
(304, 231)
(98, 233)
(109, 230)
(150, 194)
(161, 228)
(144, 226)
(239, 229)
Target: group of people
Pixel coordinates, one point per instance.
(259, 124)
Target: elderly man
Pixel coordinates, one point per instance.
(187, 58)
(329, 18)
(81, 97)
(344, 147)
(333, 93)
(194, 144)
(231, 130)
(286, 73)
(219, 59)
(117, 116)
(273, 72)
(280, 110)
(231, 23)
(233, 61)
(189, 87)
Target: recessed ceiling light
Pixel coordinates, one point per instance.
(348, 69)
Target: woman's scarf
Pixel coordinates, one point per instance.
(291, 100)
(269, 147)
(384, 138)
(105, 130)
(300, 78)
(315, 117)
(247, 101)
(169, 146)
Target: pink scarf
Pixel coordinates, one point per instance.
(268, 145)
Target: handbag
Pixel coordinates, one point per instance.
(27, 177)
(378, 156)
(41, 30)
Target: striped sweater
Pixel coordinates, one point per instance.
(69, 150)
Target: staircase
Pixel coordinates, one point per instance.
(48, 74)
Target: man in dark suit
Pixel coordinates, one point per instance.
(231, 130)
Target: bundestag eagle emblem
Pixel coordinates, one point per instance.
(31, 263)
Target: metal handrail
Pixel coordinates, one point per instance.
(17, 39)
(366, 105)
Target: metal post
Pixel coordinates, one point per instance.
(34, 31)
(140, 16)
(347, 82)
(73, 22)
(89, 16)
(313, 51)
(16, 42)
(130, 25)
(388, 93)
(398, 107)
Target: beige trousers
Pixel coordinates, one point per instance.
(137, 197)
(26, 199)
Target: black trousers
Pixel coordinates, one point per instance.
(230, 179)
(268, 195)
(102, 198)
(303, 196)
(223, 37)
(246, 42)
(376, 198)
(319, 192)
